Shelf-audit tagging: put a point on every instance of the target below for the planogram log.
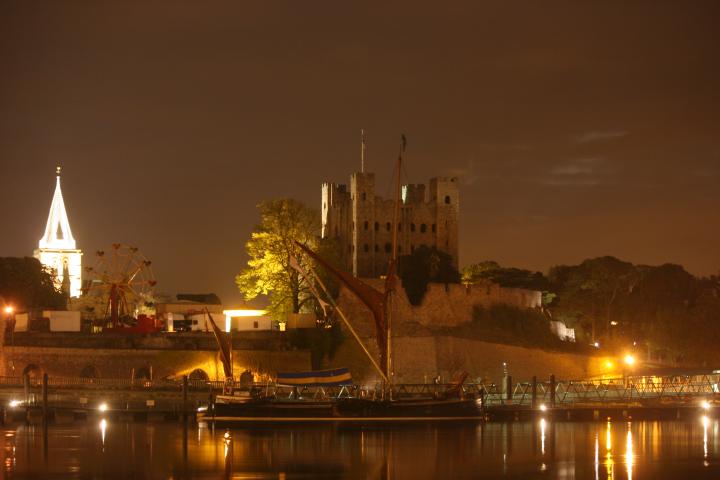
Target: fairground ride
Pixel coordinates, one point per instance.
(123, 277)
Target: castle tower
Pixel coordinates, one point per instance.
(57, 249)
(362, 223)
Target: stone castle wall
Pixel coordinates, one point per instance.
(420, 359)
(444, 305)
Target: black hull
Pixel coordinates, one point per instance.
(275, 408)
(359, 408)
(345, 409)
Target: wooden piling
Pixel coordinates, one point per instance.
(533, 398)
(552, 390)
(45, 397)
(185, 396)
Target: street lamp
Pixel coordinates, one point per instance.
(629, 360)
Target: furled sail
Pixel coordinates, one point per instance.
(373, 299)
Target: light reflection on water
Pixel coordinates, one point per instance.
(543, 448)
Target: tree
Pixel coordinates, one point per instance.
(593, 288)
(423, 266)
(504, 276)
(271, 245)
(27, 284)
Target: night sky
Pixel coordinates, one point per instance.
(578, 129)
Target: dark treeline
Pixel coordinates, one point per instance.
(671, 314)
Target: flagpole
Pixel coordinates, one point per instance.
(362, 150)
(393, 263)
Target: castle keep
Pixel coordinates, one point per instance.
(362, 221)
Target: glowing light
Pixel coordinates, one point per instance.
(629, 359)
(543, 424)
(244, 313)
(596, 344)
(229, 314)
(609, 364)
(613, 323)
(543, 407)
(227, 439)
(629, 453)
(706, 424)
(597, 456)
(705, 405)
(14, 403)
(103, 428)
(9, 310)
(103, 407)
(608, 438)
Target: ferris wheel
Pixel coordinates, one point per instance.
(124, 279)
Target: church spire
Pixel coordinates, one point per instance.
(57, 231)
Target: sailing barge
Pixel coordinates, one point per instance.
(251, 405)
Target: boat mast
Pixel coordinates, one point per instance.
(393, 263)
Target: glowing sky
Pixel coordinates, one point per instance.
(578, 128)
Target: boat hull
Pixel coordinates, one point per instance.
(229, 410)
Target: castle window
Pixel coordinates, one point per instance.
(423, 228)
(366, 248)
(412, 248)
(377, 247)
(377, 226)
(447, 199)
(412, 227)
(336, 234)
(447, 242)
(399, 248)
(399, 227)
(324, 205)
(388, 248)
(364, 196)
(366, 224)
(349, 249)
(434, 228)
(387, 226)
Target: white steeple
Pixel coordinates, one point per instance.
(57, 231)
(58, 250)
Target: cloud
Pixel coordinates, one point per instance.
(580, 172)
(598, 135)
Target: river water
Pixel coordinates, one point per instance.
(538, 449)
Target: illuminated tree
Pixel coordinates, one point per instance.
(271, 245)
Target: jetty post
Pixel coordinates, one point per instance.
(185, 397)
(26, 388)
(533, 397)
(45, 397)
(508, 388)
(552, 390)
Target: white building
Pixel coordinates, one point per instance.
(57, 249)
